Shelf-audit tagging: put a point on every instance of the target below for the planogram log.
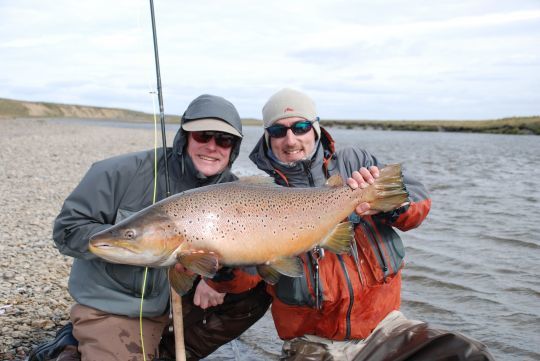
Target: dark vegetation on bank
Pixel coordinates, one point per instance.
(515, 125)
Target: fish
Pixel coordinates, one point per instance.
(250, 222)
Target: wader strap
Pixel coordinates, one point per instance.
(317, 253)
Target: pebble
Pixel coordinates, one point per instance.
(42, 161)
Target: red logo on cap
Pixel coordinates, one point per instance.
(288, 110)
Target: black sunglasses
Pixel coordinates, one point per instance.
(223, 140)
(298, 128)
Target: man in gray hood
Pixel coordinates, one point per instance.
(105, 317)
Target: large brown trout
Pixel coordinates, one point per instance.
(244, 223)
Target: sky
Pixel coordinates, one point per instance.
(365, 59)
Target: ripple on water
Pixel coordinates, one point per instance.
(423, 307)
(511, 242)
(437, 283)
(527, 353)
(524, 291)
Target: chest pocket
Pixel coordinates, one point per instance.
(297, 291)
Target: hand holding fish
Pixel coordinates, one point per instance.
(205, 296)
(362, 179)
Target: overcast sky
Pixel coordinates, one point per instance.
(399, 59)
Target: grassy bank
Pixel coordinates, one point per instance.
(10, 108)
(516, 125)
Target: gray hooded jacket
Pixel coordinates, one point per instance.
(115, 188)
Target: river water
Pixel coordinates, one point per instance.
(474, 265)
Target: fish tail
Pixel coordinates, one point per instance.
(388, 191)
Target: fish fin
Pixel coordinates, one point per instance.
(334, 181)
(339, 239)
(200, 262)
(390, 192)
(258, 180)
(290, 266)
(268, 273)
(181, 282)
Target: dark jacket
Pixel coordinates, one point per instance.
(113, 189)
(355, 292)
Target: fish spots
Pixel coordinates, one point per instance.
(241, 209)
(269, 217)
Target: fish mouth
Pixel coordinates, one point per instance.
(133, 257)
(103, 246)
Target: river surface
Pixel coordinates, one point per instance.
(474, 265)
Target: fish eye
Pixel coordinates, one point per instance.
(129, 234)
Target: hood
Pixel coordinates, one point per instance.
(204, 107)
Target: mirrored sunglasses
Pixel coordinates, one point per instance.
(224, 140)
(298, 128)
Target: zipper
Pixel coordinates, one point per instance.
(315, 256)
(351, 298)
(310, 279)
(310, 178)
(373, 239)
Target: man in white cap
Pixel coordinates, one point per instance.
(329, 313)
(105, 318)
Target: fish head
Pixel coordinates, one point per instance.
(147, 238)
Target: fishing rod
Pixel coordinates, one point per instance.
(160, 100)
(176, 300)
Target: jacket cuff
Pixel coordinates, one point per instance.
(392, 216)
(223, 275)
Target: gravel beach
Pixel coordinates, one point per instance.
(42, 161)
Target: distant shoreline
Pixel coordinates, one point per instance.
(514, 125)
(10, 109)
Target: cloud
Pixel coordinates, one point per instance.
(379, 59)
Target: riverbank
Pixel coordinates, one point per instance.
(42, 162)
(10, 108)
(514, 125)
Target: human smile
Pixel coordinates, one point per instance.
(293, 151)
(207, 158)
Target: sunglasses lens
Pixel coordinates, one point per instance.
(201, 137)
(277, 131)
(301, 127)
(298, 128)
(222, 140)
